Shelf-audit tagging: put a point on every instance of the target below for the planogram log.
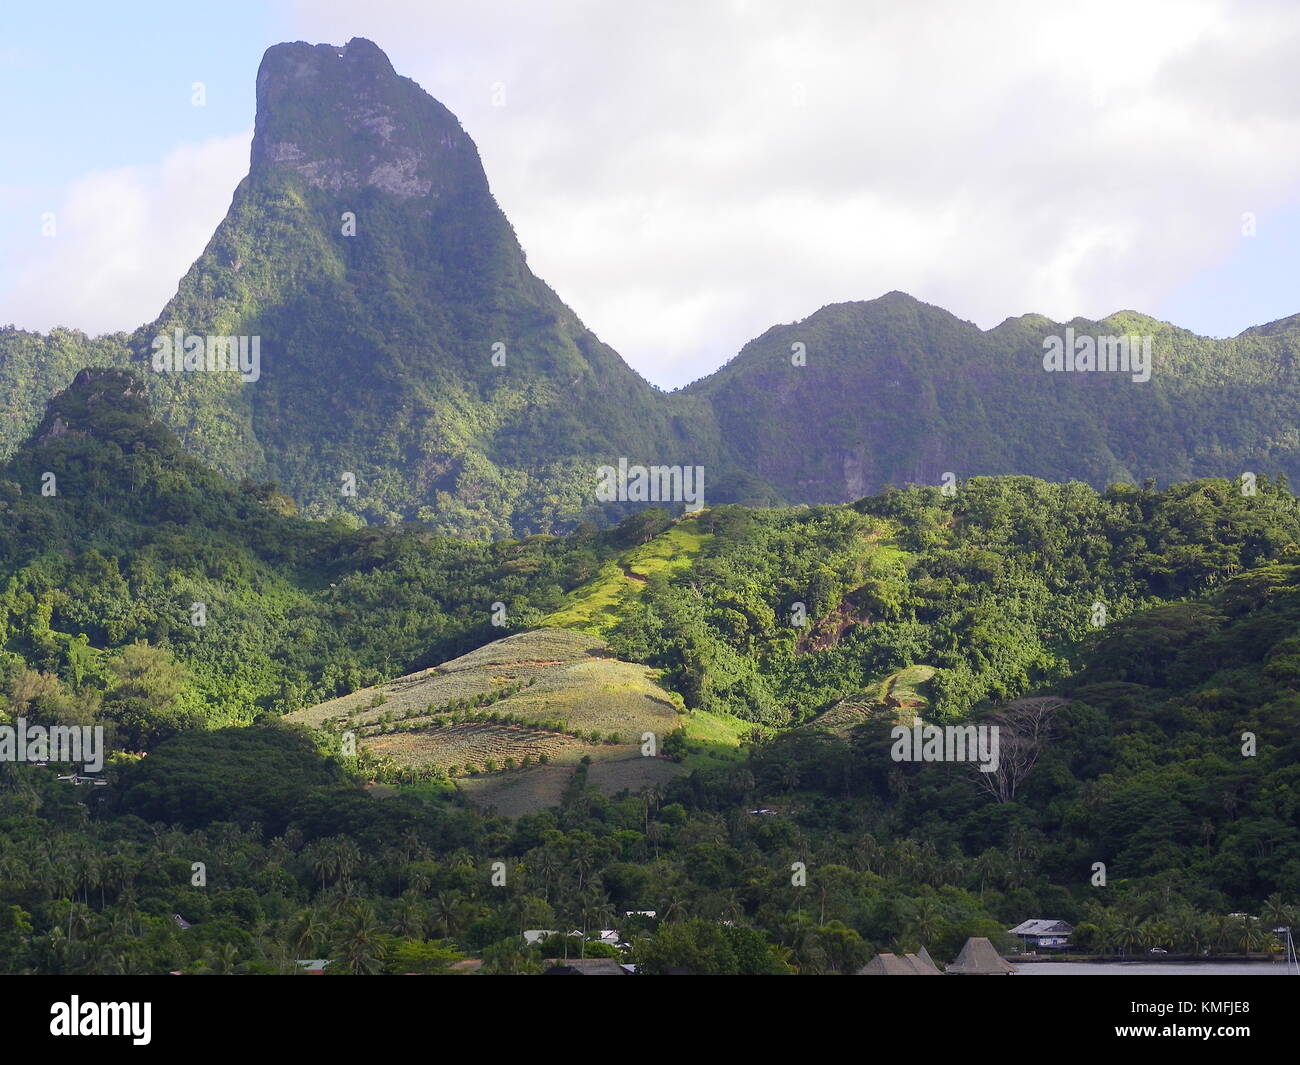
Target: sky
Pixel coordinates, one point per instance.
(687, 174)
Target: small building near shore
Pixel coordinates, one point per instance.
(1041, 934)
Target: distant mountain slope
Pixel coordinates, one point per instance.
(895, 391)
(34, 366)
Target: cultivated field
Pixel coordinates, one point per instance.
(548, 694)
(478, 746)
(521, 658)
(538, 787)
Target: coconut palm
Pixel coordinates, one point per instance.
(925, 920)
(445, 910)
(1188, 931)
(411, 915)
(1276, 912)
(546, 864)
(1128, 933)
(671, 907)
(1248, 935)
(1221, 930)
(1156, 933)
(308, 931)
(359, 948)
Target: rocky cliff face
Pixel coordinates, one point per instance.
(343, 120)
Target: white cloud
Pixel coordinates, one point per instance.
(123, 238)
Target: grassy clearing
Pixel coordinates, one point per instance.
(714, 739)
(669, 553)
(516, 794)
(595, 606)
(606, 695)
(909, 685)
(703, 726)
(900, 695)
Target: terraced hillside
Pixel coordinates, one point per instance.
(533, 705)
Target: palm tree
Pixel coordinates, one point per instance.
(61, 879)
(867, 854)
(444, 911)
(990, 867)
(730, 908)
(1188, 931)
(360, 948)
(277, 952)
(1128, 933)
(412, 845)
(80, 917)
(546, 863)
(411, 915)
(1277, 914)
(670, 906)
(308, 931)
(510, 958)
(655, 833)
(925, 920)
(323, 862)
(1156, 933)
(1221, 929)
(1248, 935)
(419, 877)
(221, 960)
(594, 910)
(584, 859)
(115, 963)
(347, 857)
(462, 859)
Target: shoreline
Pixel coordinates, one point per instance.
(1146, 959)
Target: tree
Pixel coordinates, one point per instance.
(360, 947)
(148, 699)
(1024, 729)
(510, 957)
(417, 956)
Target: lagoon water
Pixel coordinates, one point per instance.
(1142, 968)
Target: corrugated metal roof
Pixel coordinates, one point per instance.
(1039, 926)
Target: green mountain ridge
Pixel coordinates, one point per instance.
(365, 250)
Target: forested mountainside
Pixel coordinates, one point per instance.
(805, 632)
(405, 350)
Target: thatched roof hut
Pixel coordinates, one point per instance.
(900, 965)
(980, 958)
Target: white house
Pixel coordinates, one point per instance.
(1040, 934)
